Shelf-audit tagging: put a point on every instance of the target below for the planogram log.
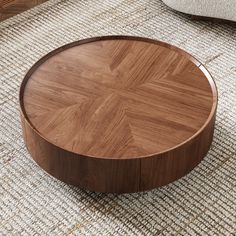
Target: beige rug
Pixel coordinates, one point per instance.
(33, 203)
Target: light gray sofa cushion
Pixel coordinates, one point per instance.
(224, 9)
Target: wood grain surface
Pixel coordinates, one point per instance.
(10, 8)
(118, 114)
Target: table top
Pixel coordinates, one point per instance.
(118, 97)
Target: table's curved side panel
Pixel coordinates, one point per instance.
(114, 175)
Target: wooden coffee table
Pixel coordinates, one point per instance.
(118, 114)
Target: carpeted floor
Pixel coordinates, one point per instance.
(33, 203)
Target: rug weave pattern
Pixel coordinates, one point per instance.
(33, 203)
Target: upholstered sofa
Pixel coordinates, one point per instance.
(222, 9)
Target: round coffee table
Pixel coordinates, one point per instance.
(118, 113)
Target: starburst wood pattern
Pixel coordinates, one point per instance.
(135, 111)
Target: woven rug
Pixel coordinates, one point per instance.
(33, 203)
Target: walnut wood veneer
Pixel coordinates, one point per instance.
(118, 114)
(10, 8)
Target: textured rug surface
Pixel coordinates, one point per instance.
(33, 203)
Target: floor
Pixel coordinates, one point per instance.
(10, 8)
